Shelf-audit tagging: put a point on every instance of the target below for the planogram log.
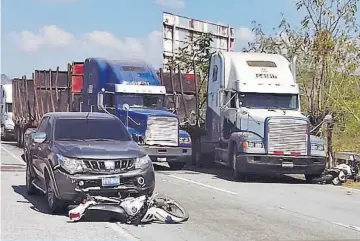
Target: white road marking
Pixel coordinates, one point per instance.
(123, 232)
(356, 228)
(203, 185)
(12, 155)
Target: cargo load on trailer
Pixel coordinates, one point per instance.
(47, 91)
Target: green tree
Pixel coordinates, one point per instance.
(196, 52)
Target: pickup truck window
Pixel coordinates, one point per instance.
(90, 129)
(43, 124)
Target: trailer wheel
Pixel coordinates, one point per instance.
(17, 134)
(200, 159)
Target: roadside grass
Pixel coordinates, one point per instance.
(352, 184)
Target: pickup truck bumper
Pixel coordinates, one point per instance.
(168, 154)
(72, 187)
(249, 163)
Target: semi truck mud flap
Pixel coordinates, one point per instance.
(103, 213)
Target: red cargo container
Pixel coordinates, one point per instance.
(77, 72)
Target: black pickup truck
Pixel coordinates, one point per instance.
(74, 153)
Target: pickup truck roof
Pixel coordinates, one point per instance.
(79, 115)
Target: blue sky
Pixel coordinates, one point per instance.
(43, 34)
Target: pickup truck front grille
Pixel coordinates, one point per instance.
(109, 165)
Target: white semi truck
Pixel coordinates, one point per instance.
(7, 124)
(253, 121)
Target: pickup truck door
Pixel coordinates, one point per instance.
(37, 148)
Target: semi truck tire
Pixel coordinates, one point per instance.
(201, 159)
(17, 136)
(176, 165)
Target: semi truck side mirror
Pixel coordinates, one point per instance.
(100, 100)
(125, 107)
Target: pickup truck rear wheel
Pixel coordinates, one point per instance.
(176, 165)
(55, 205)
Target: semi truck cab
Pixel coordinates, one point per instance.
(253, 118)
(131, 90)
(7, 123)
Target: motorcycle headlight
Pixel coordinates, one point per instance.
(185, 140)
(70, 164)
(142, 162)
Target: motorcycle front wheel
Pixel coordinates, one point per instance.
(176, 212)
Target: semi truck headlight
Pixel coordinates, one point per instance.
(317, 147)
(142, 162)
(185, 140)
(253, 144)
(71, 165)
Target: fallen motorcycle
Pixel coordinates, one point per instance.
(337, 175)
(143, 209)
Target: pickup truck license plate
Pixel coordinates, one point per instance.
(111, 181)
(161, 159)
(287, 164)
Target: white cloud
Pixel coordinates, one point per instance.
(48, 36)
(91, 44)
(244, 34)
(178, 4)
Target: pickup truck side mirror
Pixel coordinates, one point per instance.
(39, 137)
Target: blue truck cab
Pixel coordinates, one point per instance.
(133, 92)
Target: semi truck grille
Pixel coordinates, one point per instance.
(109, 165)
(287, 136)
(162, 131)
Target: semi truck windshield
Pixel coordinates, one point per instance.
(141, 100)
(269, 101)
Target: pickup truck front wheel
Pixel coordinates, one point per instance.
(55, 205)
(30, 189)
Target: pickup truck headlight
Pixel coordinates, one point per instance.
(317, 147)
(70, 164)
(185, 140)
(253, 144)
(142, 162)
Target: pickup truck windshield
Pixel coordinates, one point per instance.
(269, 101)
(141, 100)
(90, 129)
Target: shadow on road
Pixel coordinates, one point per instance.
(221, 172)
(38, 200)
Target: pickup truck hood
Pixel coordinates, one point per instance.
(138, 118)
(99, 149)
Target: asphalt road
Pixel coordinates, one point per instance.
(220, 209)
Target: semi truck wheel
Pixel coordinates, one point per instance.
(17, 135)
(176, 165)
(233, 163)
(200, 159)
